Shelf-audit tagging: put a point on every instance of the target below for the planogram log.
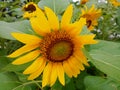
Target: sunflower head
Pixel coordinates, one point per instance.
(30, 10)
(91, 16)
(114, 2)
(83, 1)
(59, 51)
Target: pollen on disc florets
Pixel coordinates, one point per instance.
(57, 46)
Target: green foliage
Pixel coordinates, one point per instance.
(58, 6)
(104, 57)
(10, 10)
(7, 28)
(100, 83)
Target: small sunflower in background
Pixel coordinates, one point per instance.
(114, 2)
(55, 49)
(91, 16)
(83, 1)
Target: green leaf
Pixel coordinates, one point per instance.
(106, 57)
(118, 17)
(7, 28)
(69, 86)
(107, 46)
(99, 83)
(79, 81)
(11, 67)
(56, 86)
(8, 81)
(58, 6)
(3, 59)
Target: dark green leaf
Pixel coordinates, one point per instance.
(8, 81)
(69, 86)
(79, 81)
(57, 86)
(99, 83)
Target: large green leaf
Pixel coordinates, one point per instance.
(106, 57)
(7, 28)
(8, 81)
(58, 6)
(99, 83)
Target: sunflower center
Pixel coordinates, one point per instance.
(60, 51)
(57, 46)
(89, 22)
(30, 8)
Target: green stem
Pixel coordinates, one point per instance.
(24, 84)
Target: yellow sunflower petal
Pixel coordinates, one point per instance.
(27, 58)
(22, 50)
(37, 18)
(37, 72)
(40, 24)
(74, 69)
(66, 18)
(34, 66)
(53, 76)
(92, 8)
(52, 19)
(46, 74)
(81, 57)
(60, 72)
(67, 69)
(77, 63)
(87, 39)
(79, 25)
(26, 38)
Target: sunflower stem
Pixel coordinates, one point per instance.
(24, 84)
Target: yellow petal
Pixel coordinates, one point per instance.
(74, 69)
(40, 24)
(27, 58)
(26, 38)
(46, 74)
(60, 72)
(37, 72)
(34, 66)
(52, 19)
(92, 8)
(24, 49)
(67, 69)
(53, 76)
(78, 26)
(66, 18)
(81, 57)
(81, 22)
(87, 39)
(77, 63)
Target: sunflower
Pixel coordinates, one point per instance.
(83, 1)
(91, 16)
(114, 2)
(55, 49)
